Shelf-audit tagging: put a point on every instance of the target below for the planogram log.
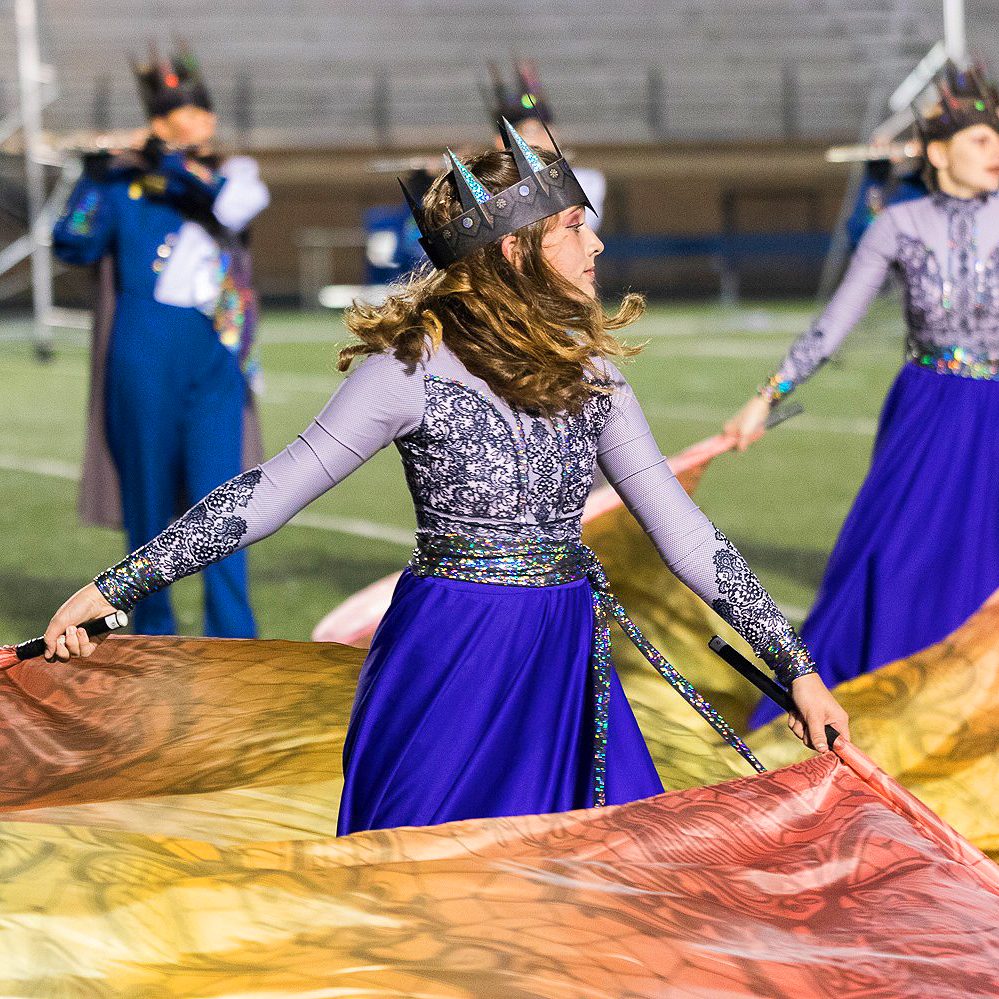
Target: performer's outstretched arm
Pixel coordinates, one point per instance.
(380, 401)
(862, 281)
(85, 230)
(705, 560)
(234, 193)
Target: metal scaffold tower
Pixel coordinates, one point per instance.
(37, 89)
(953, 47)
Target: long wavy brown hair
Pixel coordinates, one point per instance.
(524, 330)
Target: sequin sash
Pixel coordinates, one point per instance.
(953, 361)
(549, 564)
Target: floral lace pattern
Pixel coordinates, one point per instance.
(807, 354)
(465, 456)
(545, 469)
(962, 310)
(208, 532)
(923, 286)
(743, 603)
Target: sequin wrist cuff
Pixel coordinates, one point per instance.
(775, 388)
(125, 584)
(788, 658)
(786, 675)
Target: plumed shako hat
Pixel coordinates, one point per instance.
(168, 84)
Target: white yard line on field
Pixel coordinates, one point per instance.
(358, 528)
(49, 467)
(857, 426)
(793, 613)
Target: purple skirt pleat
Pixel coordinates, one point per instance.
(475, 700)
(919, 551)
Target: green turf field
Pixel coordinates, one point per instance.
(782, 503)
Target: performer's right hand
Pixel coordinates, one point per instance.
(63, 638)
(749, 424)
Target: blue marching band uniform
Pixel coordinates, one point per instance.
(177, 366)
(879, 189)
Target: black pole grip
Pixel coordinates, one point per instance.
(782, 413)
(99, 626)
(756, 676)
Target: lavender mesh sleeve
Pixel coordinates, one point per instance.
(380, 401)
(862, 281)
(693, 548)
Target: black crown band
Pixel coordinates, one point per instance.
(966, 98)
(542, 190)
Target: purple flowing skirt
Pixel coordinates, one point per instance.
(919, 552)
(475, 700)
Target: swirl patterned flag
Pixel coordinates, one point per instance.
(168, 810)
(167, 831)
(931, 721)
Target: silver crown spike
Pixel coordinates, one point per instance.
(528, 161)
(471, 193)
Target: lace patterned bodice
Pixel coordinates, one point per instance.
(477, 468)
(946, 251)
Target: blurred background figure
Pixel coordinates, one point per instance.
(896, 171)
(171, 412)
(888, 181)
(393, 249)
(393, 240)
(919, 552)
(525, 107)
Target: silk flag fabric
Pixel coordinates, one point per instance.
(167, 831)
(167, 813)
(931, 721)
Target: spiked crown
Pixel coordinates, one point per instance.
(966, 98)
(543, 189)
(524, 100)
(171, 83)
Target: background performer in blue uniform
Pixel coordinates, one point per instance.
(170, 388)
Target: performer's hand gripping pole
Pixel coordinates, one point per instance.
(756, 676)
(12, 655)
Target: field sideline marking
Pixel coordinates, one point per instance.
(54, 469)
(858, 426)
(352, 525)
(49, 467)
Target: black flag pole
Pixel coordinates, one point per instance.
(782, 413)
(11, 655)
(756, 676)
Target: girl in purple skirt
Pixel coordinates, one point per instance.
(919, 550)
(488, 689)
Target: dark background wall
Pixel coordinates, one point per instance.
(709, 117)
(659, 195)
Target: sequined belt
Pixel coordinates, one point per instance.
(550, 564)
(954, 361)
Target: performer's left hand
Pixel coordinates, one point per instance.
(816, 708)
